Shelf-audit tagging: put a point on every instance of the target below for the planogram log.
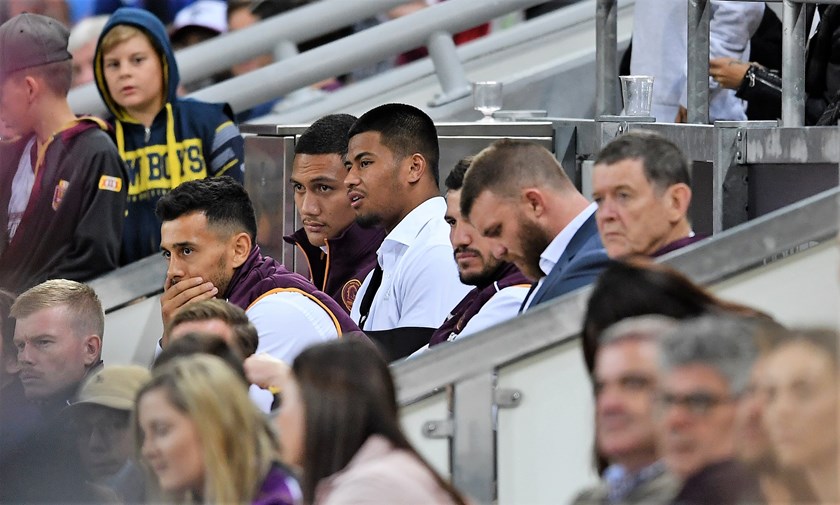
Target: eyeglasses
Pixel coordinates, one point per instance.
(698, 404)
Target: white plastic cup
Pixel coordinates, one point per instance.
(637, 92)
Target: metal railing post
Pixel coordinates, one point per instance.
(450, 72)
(285, 49)
(699, 18)
(473, 441)
(793, 63)
(606, 58)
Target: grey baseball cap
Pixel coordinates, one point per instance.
(29, 40)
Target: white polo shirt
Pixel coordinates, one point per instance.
(420, 283)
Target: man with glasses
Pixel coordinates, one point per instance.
(625, 383)
(706, 365)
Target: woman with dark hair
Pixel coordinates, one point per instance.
(637, 286)
(338, 423)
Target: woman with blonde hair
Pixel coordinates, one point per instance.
(205, 441)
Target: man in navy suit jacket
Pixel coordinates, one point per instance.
(517, 194)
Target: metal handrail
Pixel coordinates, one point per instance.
(715, 259)
(338, 57)
(794, 42)
(220, 53)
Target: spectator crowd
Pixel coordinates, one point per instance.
(272, 387)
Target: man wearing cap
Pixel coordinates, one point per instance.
(100, 419)
(196, 23)
(62, 187)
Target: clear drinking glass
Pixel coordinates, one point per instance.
(487, 98)
(637, 92)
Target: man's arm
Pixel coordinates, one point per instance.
(288, 322)
(502, 306)
(96, 242)
(397, 343)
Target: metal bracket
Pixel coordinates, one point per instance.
(439, 429)
(507, 398)
(448, 68)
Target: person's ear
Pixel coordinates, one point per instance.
(534, 202)
(33, 87)
(92, 348)
(10, 364)
(677, 200)
(241, 248)
(417, 166)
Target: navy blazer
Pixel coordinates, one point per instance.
(578, 266)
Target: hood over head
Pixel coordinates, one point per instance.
(154, 29)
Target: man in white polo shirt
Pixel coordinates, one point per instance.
(392, 181)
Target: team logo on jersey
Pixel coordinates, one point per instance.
(348, 292)
(58, 193)
(110, 183)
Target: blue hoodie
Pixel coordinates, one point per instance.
(187, 140)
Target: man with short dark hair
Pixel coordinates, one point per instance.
(62, 191)
(517, 195)
(392, 181)
(500, 288)
(642, 187)
(705, 367)
(626, 378)
(207, 238)
(339, 252)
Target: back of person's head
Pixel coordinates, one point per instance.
(79, 301)
(348, 395)
(223, 200)
(36, 45)
(637, 286)
(404, 130)
(455, 180)
(724, 343)
(235, 438)
(327, 135)
(508, 166)
(664, 163)
(245, 334)
(202, 343)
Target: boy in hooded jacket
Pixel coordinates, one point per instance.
(164, 140)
